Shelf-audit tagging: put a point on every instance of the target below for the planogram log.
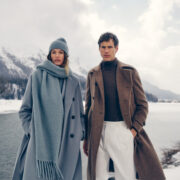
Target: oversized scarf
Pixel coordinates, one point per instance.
(48, 114)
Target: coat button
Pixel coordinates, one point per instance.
(71, 135)
(95, 83)
(73, 117)
(93, 98)
(73, 99)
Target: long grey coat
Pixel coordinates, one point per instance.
(73, 133)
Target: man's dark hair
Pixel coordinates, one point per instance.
(106, 37)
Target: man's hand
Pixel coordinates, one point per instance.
(133, 131)
(85, 147)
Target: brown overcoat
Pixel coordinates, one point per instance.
(134, 109)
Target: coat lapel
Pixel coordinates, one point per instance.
(99, 81)
(124, 86)
(123, 81)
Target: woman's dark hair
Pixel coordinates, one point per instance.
(106, 37)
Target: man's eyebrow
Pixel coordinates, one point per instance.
(107, 46)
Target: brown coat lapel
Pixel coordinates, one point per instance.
(124, 86)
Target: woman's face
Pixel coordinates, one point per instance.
(57, 56)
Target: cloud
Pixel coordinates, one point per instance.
(147, 48)
(162, 59)
(97, 26)
(153, 20)
(87, 2)
(27, 26)
(114, 6)
(150, 43)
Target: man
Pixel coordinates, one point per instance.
(115, 112)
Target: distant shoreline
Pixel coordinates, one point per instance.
(9, 106)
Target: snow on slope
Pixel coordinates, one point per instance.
(9, 62)
(22, 66)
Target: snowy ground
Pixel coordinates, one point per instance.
(172, 173)
(11, 106)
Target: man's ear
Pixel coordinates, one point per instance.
(117, 47)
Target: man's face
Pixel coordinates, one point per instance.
(108, 50)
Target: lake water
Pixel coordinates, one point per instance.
(163, 127)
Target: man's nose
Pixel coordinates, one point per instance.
(106, 49)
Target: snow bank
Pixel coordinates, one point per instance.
(172, 173)
(9, 106)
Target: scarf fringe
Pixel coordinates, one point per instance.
(48, 170)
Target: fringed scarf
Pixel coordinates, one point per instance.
(48, 114)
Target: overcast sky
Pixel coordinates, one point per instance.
(148, 31)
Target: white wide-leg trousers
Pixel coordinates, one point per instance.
(116, 143)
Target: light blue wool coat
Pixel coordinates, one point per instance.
(69, 160)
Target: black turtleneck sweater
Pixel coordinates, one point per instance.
(112, 107)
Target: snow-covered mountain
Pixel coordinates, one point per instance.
(15, 70)
(12, 66)
(160, 93)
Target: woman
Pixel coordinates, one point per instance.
(52, 119)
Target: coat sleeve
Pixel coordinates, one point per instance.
(87, 104)
(79, 95)
(141, 104)
(25, 111)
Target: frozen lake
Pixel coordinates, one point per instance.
(163, 127)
